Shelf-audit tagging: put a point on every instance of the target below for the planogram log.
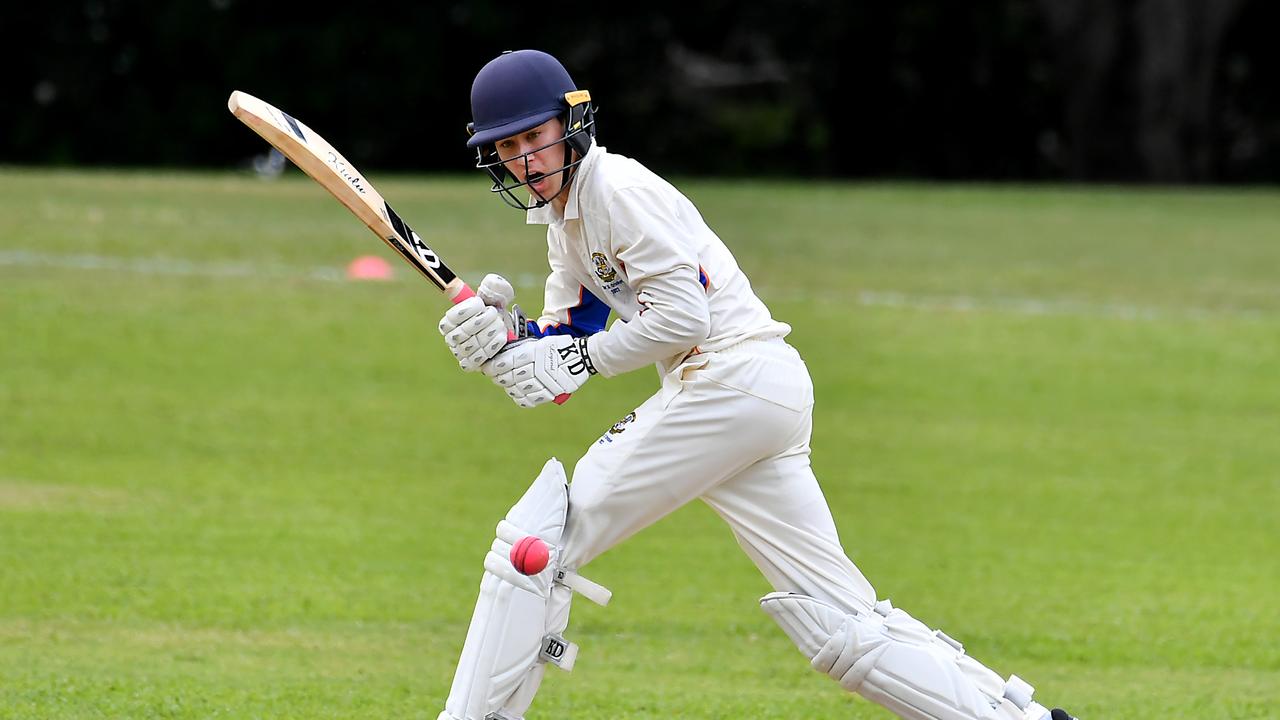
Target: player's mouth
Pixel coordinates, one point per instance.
(536, 181)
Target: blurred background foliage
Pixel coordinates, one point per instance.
(1169, 91)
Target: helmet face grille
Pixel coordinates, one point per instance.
(576, 141)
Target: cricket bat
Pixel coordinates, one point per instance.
(317, 158)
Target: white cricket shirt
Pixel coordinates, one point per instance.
(629, 239)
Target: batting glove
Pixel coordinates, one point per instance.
(495, 290)
(477, 328)
(534, 372)
(474, 332)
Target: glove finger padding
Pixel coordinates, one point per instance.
(474, 332)
(460, 313)
(483, 330)
(517, 355)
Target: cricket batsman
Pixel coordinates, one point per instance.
(730, 424)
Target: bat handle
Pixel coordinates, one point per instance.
(464, 293)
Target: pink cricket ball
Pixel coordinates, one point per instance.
(529, 555)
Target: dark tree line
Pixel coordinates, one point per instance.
(1158, 90)
(1158, 79)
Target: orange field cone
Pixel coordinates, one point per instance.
(369, 267)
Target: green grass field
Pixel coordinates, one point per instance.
(231, 486)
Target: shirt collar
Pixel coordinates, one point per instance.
(547, 214)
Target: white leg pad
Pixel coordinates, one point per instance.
(517, 625)
(891, 658)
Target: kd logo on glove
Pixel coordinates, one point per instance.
(573, 360)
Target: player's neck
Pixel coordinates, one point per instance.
(561, 200)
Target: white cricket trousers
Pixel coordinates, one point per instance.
(731, 428)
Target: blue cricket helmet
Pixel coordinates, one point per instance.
(518, 91)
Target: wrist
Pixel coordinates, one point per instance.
(585, 353)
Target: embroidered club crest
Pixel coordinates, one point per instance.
(603, 271)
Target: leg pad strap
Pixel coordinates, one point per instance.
(895, 660)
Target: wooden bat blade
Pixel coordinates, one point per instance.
(324, 164)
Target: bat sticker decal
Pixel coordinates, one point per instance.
(346, 173)
(293, 125)
(424, 253)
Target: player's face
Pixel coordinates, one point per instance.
(545, 157)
